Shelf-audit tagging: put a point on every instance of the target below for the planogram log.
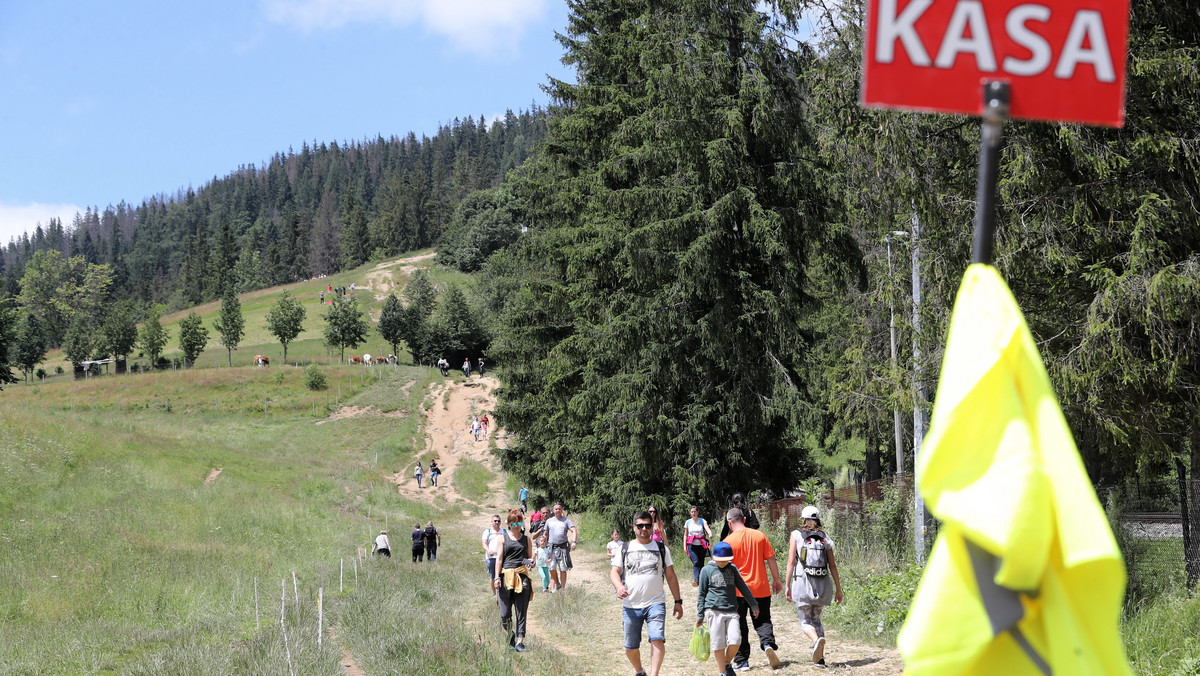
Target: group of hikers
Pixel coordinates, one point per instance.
(425, 542)
(740, 581)
(444, 366)
(336, 292)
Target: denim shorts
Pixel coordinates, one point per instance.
(654, 616)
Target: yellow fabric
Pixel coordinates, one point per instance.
(1000, 469)
(513, 580)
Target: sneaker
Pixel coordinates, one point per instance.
(818, 653)
(821, 662)
(742, 666)
(729, 669)
(772, 657)
(639, 673)
(520, 646)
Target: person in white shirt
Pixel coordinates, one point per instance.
(614, 545)
(492, 537)
(563, 536)
(381, 545)
(646, 564)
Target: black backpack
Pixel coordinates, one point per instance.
(662, 558)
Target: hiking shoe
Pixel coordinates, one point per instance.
(520, 646)
(772, 657)
(818, 653)
(742, 666)
(821, 662)
(729, 669)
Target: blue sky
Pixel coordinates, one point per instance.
(103, 102)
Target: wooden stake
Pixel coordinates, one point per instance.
(341, 575)
(282, 626)
(295, 590)
(257, 625)
(320, 615)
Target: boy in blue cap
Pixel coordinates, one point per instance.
(717, 603)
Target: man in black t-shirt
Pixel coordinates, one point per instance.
(432, 540)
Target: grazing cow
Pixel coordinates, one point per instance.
(391, 359)
(354, 360)
(367, 361)
(261, 360)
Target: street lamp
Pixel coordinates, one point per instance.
(898, 234)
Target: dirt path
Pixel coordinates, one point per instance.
(381, 279)
(604, 653)
(212, 475)
(448, 436)
(351, 667)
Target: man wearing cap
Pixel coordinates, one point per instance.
(717, 603)
(646, 564)
(753, 555)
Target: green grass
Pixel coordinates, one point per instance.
(1164, 639)
(471, 478)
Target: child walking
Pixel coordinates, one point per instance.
(717, 604)
(810, 566)
(542, 559)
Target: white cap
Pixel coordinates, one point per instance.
(810, 512)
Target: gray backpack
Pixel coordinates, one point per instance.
(814, 557)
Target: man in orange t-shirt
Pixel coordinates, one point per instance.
(753, 554)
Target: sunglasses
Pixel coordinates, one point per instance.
(495, 520)
(642, 525)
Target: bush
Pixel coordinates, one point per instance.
(314, 378)
(41, 373)
(58, 370)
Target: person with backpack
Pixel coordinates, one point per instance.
(561, 529)
(645, 564)
(433, 539)
(434, 471)
(696, 539)
(809, 569)
(738, 501)
(717, 604)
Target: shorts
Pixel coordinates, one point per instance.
(655, 619)
(723, 629)
(560, 558)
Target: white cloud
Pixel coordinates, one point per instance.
(19, 218)
(481, 26)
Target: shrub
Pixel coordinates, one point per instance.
(58, 370)
(314, 378)
(41, 373)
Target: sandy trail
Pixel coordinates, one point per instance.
(605, 654)
(212, 475)
(381, 279)
(448, 436)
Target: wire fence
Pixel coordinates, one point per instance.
(1156, 524)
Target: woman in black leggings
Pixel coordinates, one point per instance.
(512, 583)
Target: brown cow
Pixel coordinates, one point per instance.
(354, 360)
(391, 359)
(261, 360)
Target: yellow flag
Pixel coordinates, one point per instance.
(1025, 576)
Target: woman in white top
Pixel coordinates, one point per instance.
(381, 545)
(614, 545)
(697, 541)
(417, 474)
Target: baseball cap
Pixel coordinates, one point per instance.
(722, 552)
(810, 512)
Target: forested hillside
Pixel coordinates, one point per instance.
(328, 207)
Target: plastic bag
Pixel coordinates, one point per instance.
(700, 643)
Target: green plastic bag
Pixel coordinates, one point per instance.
(700, 643)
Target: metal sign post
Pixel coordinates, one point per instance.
(996, 98)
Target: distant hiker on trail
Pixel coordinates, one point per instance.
(381, 545)
(738, 501)
(809, 567)
(434, 471)
(433, 540)
(563, 536)
(483, 425)
(322, 298)
(491, 540)
(475, 428)
(660, 529)
(717, 604)
(541, 557)
(418, 543)
(481, 366)
(752, 554)
(523, 495)
(512, 582)
(443, 366)
(614, 546)
(467, 367)
(417, 474)
(645, 564)
(697, 540)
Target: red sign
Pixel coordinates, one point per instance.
(1064, 59)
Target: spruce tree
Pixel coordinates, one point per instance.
(355, 237)
(8, 328)
(656, 341)
(391, 322)
(230, 325)
(419, 292)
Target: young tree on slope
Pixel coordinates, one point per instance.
(230, 324)
(285, 320)
(345, 326)
(192, 338)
